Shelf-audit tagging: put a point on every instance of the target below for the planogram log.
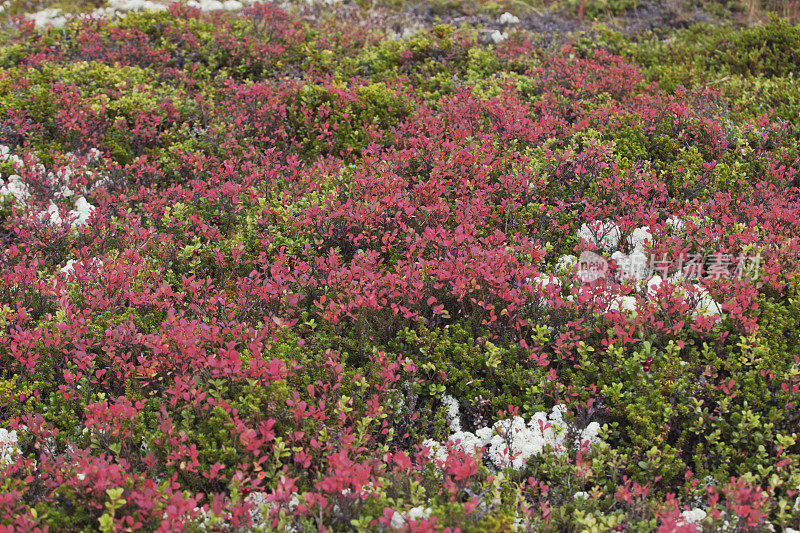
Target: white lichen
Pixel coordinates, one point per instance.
(603, 235)
(15, 187)
(639, 238)
(507, 18)
(50, 17)
(675, 224)
(693, 516)
(565, 262)
(624, 304)
(9, 446)
(83, 210)
(498, 37)
(403, 520)
(512, 442)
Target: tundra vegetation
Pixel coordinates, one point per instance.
(300, 267)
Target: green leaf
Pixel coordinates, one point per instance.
(115, 493)
(106, 523)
